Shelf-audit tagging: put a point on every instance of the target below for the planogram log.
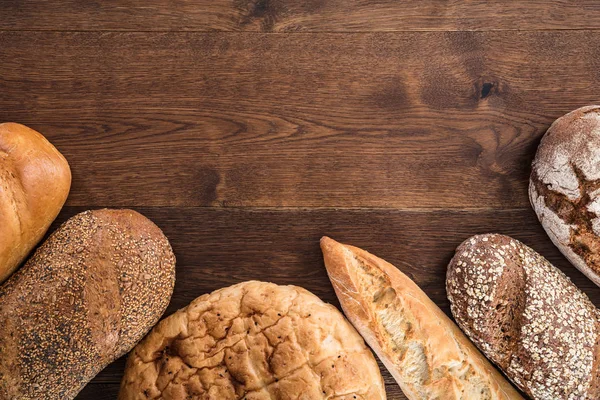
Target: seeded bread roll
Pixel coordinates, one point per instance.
(34, 183)
(564, 188)
(253, 341)
(423, 349)
(527, 317)
(86, 296)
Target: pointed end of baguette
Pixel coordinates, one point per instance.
(335, 260)
(327, 243)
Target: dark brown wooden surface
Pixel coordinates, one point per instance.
(249, 129)
(294, 16)
(298, 120)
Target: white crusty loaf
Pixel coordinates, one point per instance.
(527, 317)
(34, 183)
(423, 349)
(253, 341)
(564, 187)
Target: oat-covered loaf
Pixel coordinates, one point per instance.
(527, 317)
(86, 297)
(423, 349)
(564, 188)
(252, 341)
(34, 183)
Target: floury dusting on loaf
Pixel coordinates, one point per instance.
(526, 316)
(564, 188)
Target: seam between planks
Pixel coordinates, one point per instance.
(300, 208)
(300, 32)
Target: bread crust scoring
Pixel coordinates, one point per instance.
(564, 187)
(423, 349)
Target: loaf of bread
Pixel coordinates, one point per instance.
(85, 298)
(34, 183)
(423, 349)
(527, 317)
(253, 341)
(564, 188)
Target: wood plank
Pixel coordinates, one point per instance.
(293, 16)
(99, 391)
(399, 120)
(219, 247)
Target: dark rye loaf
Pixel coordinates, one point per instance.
(564, 187)
(85, 298)
(527, 317)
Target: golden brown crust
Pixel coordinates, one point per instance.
(86, 296)
(34, 184)
(422, 348)
(253, 340)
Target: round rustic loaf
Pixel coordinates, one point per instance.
(85, 298)
(34, 184)
(564, 188)
(252, 341)
(526, 316)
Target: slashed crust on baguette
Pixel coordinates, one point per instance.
(423, 349)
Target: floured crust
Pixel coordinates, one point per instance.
(564, 188)
(86, 297)
(526, 316)
(253, 340)
(34, 184)
(423, 349)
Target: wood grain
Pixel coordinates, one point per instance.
(220, 247)
(389, 120)
(247, 129)
(294, 16)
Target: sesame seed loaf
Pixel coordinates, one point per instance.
(564, 188)
(34, 184)
(423, 349)
(527, 317)
(85, 298)
(253, 341)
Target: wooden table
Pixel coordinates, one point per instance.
(248, 129)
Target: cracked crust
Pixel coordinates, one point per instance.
(527, 317)
(85, 298)
(253, 341)
(423, 349)
(34, 184)
(564, 188)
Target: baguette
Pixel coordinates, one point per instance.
(423, 349)
(34, 184)
(84, 299)
(527, 317)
